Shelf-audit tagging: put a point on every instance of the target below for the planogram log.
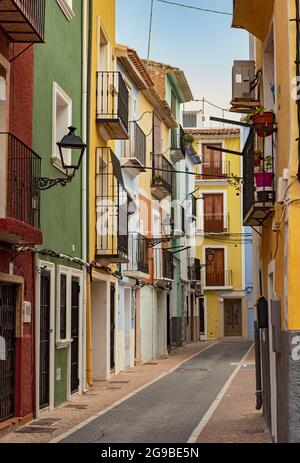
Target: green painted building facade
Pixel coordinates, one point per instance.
(57, 105)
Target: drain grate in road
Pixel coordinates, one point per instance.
(46, 422)
(113, 388)
(36, 430)
(193, 370)
(77, 407)
(118, 382)
(253, 431)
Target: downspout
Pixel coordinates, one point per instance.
(84, 191)
(259, 396)
(297, 62)
(89, 369)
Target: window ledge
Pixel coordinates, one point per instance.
(67, 10)
(217, 288)
(63, 344)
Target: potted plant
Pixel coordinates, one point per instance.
(264, 179)
(157, 179)
(263, 121)
(188, 140)
(258, 157)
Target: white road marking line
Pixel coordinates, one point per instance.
(197, 431)
(128, 396)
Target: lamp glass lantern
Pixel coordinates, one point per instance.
(71, 150)
(210, 255)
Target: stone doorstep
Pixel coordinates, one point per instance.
(12, 424)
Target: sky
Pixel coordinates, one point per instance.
(202, 44)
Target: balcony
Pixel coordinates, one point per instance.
(177, 145)
(163, 267)
(20, 220)
(134, 151)
(218, 279)
(194, 270)
(258, 191)
(112, 203)
(214, 170)
(23, 21)
(162, 177)
(216, 224)
(112, 105)
(138, 266)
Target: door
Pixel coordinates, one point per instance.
(215, 271)
(8, 299)
(213, 213)
(44, 339)
(75, 335)
(192, 317)
(232, 317)
(168, 321)
(212, 162)
(112, 327)
(127, 326)
(201, 316)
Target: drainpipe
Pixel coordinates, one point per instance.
(259, 398)
(297, 62)
(88, 128)
(83, 190)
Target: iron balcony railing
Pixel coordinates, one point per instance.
(23, 169)
(138, 253)
(216, 223)
(136, 146)
(214, 170)
(163, 264)
(194, 270)
(177, 143)
(112, 203)
(258, 181)
(112, 98)
(194, 206)
(218, 278)
(162, 173)
(23, 20)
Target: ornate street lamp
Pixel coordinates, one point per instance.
(210, 256)
(71, 150)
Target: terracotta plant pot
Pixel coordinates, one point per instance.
(266, 119)
(264, 179)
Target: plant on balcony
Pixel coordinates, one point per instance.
(262, 118)
(258, 157)
(264, 178)
(157, 179)
(188, 141)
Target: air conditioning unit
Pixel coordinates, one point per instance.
(243, 76)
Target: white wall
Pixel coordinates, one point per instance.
(100, 329)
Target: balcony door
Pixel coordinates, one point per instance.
(75, 335)
(215, 271)
(212, 162)
(213, 213)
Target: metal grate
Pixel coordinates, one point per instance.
(8, 297)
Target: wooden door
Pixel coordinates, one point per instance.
(213, 213)
(232, 317)
(201, 316)
(212, 162)
(215, 271)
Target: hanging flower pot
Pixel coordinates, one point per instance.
(263, 119)
(264, 179)
(258, 157)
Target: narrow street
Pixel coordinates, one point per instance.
(169, 410)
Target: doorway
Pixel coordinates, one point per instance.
(168, 322)
(44, 376)
(127, 326)
(8, 309)
(201, 316)
(75, 335)
(233, 317)
(112, 327)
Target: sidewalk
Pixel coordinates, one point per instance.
(235, 420)
(52, 424)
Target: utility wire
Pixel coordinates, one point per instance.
(196, 8)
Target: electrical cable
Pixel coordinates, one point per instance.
(196, 8)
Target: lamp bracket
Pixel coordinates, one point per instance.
(45, 183)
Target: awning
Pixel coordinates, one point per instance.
(254, 16)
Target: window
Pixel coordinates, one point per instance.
(215, 270)
(214, 213)
(67, 8)
(63, 307)
(61, 120)
(189, 120)
(212, 165)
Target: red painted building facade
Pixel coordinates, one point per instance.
(20, 29)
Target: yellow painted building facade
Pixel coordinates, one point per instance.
(219, 231)
(275, 49)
